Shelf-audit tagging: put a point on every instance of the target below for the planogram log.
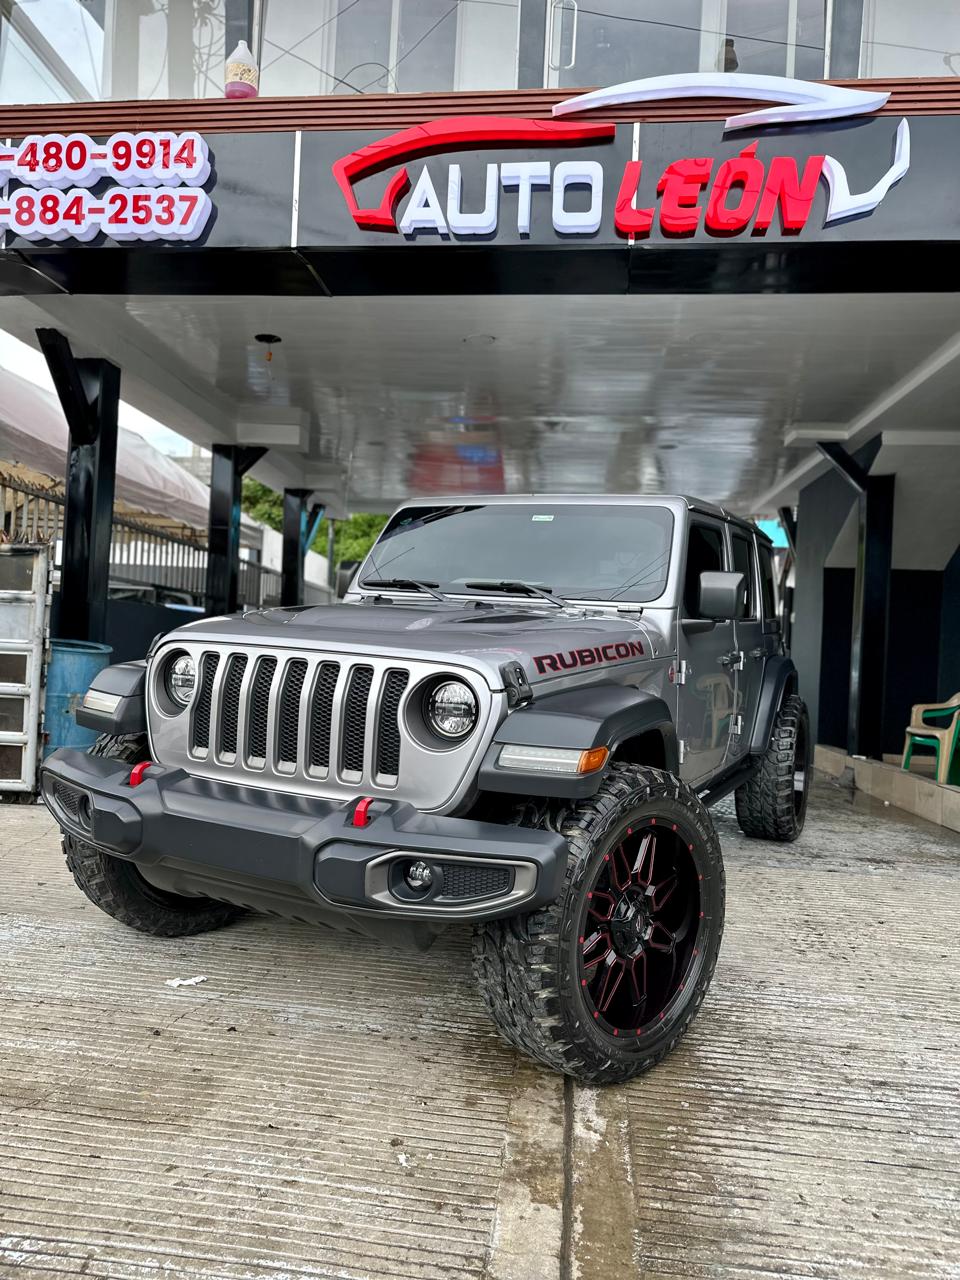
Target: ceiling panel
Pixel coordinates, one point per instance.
(612, 393)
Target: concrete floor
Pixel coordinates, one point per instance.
(322, 1108)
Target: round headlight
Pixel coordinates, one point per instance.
(180, 680)
(452, 709)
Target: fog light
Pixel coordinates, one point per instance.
(85, 812)
(418, 876)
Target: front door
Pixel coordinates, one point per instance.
(751, 646)
(706, 695)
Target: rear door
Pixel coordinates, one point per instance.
(750, 644)
(706, 696)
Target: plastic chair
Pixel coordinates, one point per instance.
(943, 735)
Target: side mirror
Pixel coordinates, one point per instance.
(723, 595)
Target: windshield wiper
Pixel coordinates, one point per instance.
(516, 588)
(406, 584)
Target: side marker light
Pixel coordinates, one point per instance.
(592, 760)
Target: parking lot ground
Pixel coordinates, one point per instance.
(322, 1107)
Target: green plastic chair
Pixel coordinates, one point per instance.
(936, 725)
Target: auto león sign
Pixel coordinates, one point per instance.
(811, 160)
(747, 191)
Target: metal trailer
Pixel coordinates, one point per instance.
(24, 614)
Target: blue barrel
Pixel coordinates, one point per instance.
(72, 666)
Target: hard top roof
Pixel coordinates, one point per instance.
(591, 499)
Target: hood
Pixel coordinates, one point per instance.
(546, 641)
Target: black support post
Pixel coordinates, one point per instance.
(229, 464)
(300, 525)
(89, 393)
(871, 618)
(871, 603)
(789, 522)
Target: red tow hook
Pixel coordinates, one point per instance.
(360, 818)
(137, 772)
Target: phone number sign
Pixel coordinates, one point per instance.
(157, 192)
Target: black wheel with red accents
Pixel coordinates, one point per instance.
(603, 983)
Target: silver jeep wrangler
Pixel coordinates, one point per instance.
(515, 721)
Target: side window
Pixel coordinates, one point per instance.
(767, 587)
(704, 554)
(743, 563)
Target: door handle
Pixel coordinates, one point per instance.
(573, 43)
(558, 9)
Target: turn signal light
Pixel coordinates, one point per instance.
(592, 760)
(552, 759)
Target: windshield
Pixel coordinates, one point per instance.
(587, 551)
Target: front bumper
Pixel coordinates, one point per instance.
(297, 856)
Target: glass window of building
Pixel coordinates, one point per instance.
(615, 40)
(774, 38)
(910, 39)
(78, 50)
(51, 51)
(82, 50)
(389, 46)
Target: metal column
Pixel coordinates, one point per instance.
(229, 464)
(789, 522)
(89, 393)
(871, 603)
(300, 525)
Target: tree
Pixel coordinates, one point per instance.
(353, 537)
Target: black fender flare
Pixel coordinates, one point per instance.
(780, 679)
(126, 681)
(598, 715)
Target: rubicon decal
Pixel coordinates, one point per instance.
(574, 658)
(723, 196)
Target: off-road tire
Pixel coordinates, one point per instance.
(768, 806)
(118, 888)
(527, 967)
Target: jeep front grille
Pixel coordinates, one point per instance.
(201, 716)
(289, 702)
(388, 739)
(321, 715)
(354, 733)
(258, 711)
(230, 703)
(315, 723)
(288, 738)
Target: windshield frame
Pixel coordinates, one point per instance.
(677, 508)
